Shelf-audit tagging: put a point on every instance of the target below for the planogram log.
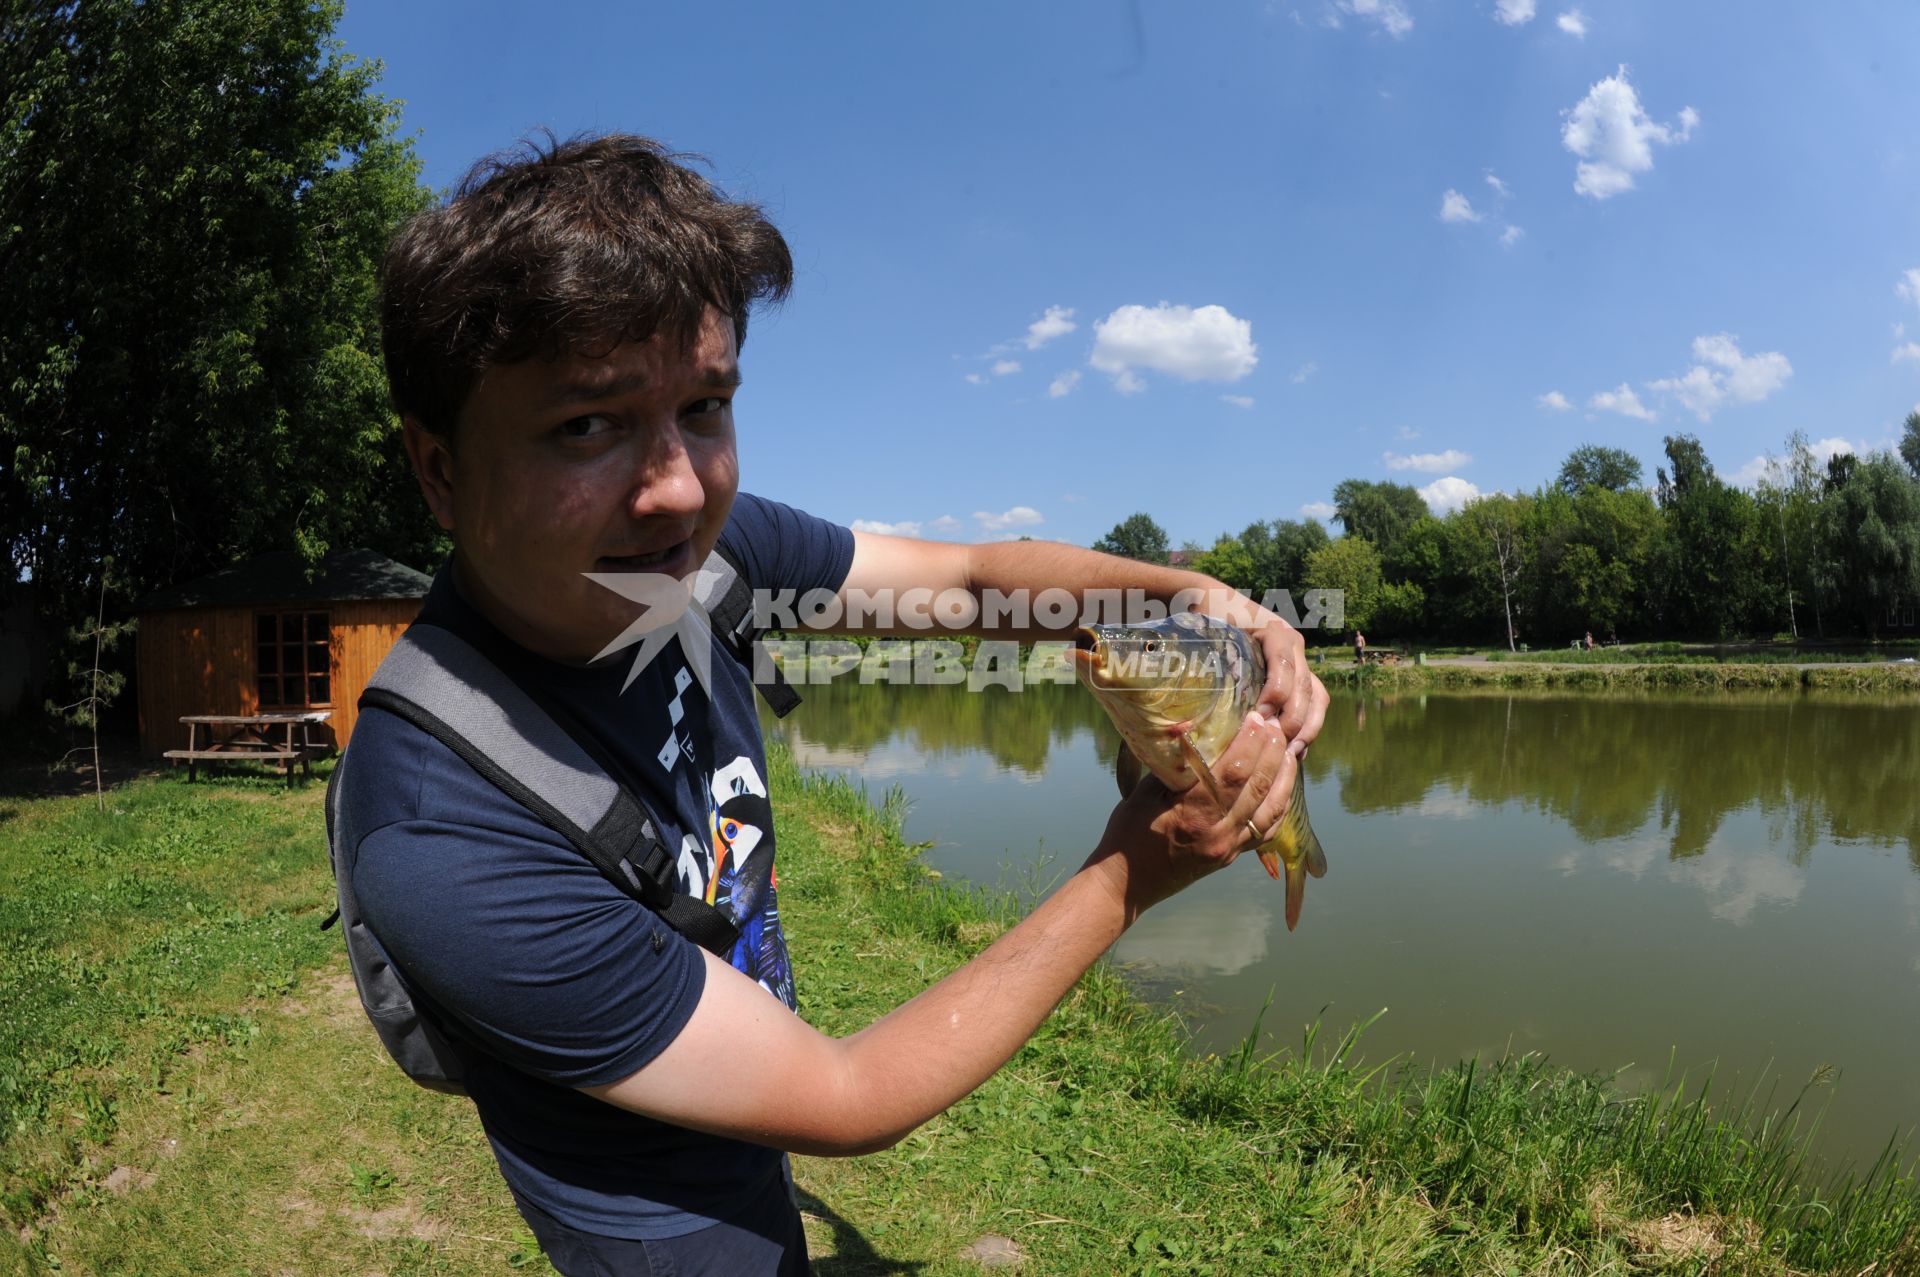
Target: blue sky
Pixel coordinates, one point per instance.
(1295, 242)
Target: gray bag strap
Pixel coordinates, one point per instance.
(727, 596)
(445, 686)
(416, 1043)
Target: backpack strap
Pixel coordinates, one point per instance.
(727, 596)
(441, 684)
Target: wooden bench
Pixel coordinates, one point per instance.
(247, 741)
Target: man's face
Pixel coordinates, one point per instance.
(563, 467)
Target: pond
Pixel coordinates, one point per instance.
(1721, 886)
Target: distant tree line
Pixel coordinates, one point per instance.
(1812, 550)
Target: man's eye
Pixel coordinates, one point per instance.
(585, 427)
(706, 407)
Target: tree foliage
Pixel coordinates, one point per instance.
(1136, 537)
(1379, 511)
(1594, 466)
(1811, 547)
(194, 198)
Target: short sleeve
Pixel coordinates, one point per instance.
(783, 548)
(521, 947)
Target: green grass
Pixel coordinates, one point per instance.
(1671, 653)
(189, 1087)
(1671, 676)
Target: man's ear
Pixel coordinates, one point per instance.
(432, 457)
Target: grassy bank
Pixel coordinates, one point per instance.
(1885, 679)
(189, 1088)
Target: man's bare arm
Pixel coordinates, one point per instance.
(805, 1092)
(892, 566)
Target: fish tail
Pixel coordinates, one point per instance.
(1296, 890)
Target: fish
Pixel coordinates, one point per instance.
(1178, 690)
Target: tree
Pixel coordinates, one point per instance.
(1500, 520)
(1229, 561)
(1872, 520)
(1136, 537)
(1707, 578)
(194, 199)
(1910, 444)
(1594, 466)
(1350, 565)
(1381, 512)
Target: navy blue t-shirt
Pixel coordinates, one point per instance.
(552, 977)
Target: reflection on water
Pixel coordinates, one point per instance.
(1605, 766)
(1606, 880)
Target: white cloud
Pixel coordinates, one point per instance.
(1908, 286)
(1513, 13)
(1392, 17)
(1406, 432)
(1454, 207)
(1574, 23)
(1723, 375)
(976, 379)
(1305, 371)
(1614, 137)
(1511, 236)
(1207, 344)
(1448, 494)
(946, 524)
(1004, 367)
(1319, 510)
(905, 528)
(1063, 384)
(1239, 401)
(1554, 401)
(1909, 352)
(1020, 516)
(1057, 322)
(1429, 462)
(1621, 400)
(1499, 187)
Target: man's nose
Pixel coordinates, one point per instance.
(665, 479)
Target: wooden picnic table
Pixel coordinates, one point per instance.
(249, 738)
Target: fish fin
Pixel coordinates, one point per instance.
(1127, 770)
(1204, 772)
(1310, 848)
(1296, 891)
(1270, 860)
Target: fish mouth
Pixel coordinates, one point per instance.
(1089, 656)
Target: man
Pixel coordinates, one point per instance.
(562, 343)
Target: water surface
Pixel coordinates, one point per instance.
(1613, 881)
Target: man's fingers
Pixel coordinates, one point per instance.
(1261, 802)
(1316, 716)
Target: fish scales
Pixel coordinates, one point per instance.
(1191, 676)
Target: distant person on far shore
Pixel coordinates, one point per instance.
(1359, 648)
(1589, 640)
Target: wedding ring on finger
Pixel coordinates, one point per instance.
(1254, 829)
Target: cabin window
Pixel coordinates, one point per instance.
(293, 652)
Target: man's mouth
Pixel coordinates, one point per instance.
(670, 559)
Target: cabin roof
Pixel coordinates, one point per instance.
(282, 578)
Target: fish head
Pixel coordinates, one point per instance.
(1187, 674)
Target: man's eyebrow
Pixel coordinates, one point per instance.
(589, 389)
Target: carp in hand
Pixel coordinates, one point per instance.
(1178, 690)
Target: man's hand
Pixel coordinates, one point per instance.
(1158, 842)
(1293, 695)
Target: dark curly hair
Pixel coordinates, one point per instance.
(565, 248)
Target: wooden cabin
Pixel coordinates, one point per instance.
(261, 637)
